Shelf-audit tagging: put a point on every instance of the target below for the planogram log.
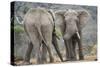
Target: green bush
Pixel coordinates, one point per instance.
(18, 29)
(58, 32)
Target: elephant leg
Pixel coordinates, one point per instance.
(36, 42)
(28, 52)
(39, 55)
(81, 57)
(67, 50)
(74, 48)
(70, 54)
(44, 54)
(71, 51)
(54, 41)
(37, 50)
(47, 35)
(50, 53)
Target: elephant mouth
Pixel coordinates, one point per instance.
(68, 36)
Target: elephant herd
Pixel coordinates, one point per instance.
(40, 24)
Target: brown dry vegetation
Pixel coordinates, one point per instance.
(57, 60)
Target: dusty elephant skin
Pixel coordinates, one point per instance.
(71, 22)
(38, 24)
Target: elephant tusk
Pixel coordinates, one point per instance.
(78, 34)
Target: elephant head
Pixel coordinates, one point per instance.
(71, 21)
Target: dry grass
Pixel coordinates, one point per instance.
(90, 58)
(57, 60)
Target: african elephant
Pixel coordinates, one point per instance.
(39, 25)
(70, 22)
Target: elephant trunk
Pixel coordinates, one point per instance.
(54, 41)
(55, 44)
(66, 36)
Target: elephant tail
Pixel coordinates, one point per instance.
(41, 36)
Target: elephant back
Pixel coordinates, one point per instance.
(38, 15)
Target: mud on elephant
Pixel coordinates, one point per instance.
(71, 22)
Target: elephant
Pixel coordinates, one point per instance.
(39, 27)
(71, 22)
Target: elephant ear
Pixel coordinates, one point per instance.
(52, 14)
(60, 12)
(83, 17)
(59, 21)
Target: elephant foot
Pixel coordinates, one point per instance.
(81, 58)
(65, 60)
(69, 60)
(95, 59)
(72, 59)
(51, 60)
(26, 63)
(43, 62)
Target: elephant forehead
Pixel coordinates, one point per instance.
(71, 18)
(71, 12)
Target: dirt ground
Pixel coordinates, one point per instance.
(57, 60)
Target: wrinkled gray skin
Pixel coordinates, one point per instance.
(38, 24)
(71, 22)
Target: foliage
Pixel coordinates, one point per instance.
(18, 29)
(58, 33)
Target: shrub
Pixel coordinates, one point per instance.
(18, 29)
